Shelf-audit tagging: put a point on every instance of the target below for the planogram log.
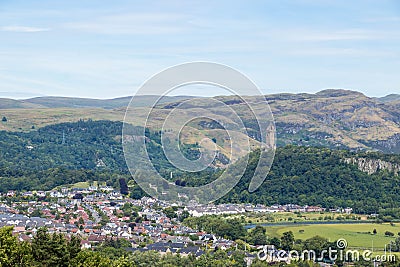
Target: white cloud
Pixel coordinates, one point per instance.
(23, 29)
(147, 24)
(347, 52)
(337, 35)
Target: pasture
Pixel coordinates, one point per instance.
(357, 235)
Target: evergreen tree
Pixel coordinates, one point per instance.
(123, 186)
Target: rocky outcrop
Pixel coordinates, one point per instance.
(372, 166)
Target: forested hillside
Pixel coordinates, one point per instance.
(80, 145)
(92, 145)
(319, 176)
(67, 153)
(91, 150)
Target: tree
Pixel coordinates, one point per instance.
(388, 233)
(137, 193)
(74, 246)
(4, 119)
(231, 229)
(275, 241)
(287, 240)
(194, 237)
(185, 214)
(91, 259)
(12, 252)
(395, 245)
(123, 187)
(170, 212)
(257, 236)
(36, 213)
(238, 257)
(53, 249)
(316, 243)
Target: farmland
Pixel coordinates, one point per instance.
(358, 235)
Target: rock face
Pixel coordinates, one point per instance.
(371, 166)
(337, 118)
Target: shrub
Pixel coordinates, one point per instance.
(388, 233)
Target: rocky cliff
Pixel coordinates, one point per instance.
(372, 166)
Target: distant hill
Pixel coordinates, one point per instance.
(71, 102)
(74, 102)
(389, 98)
(337, 118)
(330, 118)
(7, 103)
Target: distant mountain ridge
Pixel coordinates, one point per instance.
(145, 100)
(389, 98)
(338, 118)
(331, 118)
(75, 102)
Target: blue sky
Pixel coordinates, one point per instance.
(105, 49)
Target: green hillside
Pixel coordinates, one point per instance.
(91, 151)
(319, 176)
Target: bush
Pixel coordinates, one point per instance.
(388, 233)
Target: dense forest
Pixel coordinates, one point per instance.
(91, 151)
(318, 176)
(86, 144)
(67, 153)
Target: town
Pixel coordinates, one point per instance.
(99, 213)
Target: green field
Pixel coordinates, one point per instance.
(279, 217)
(356, 235)
(24, 119)
(84, 185)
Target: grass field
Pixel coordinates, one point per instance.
(79, 185)
(24, 119)
(356, 235)
(305, 216)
